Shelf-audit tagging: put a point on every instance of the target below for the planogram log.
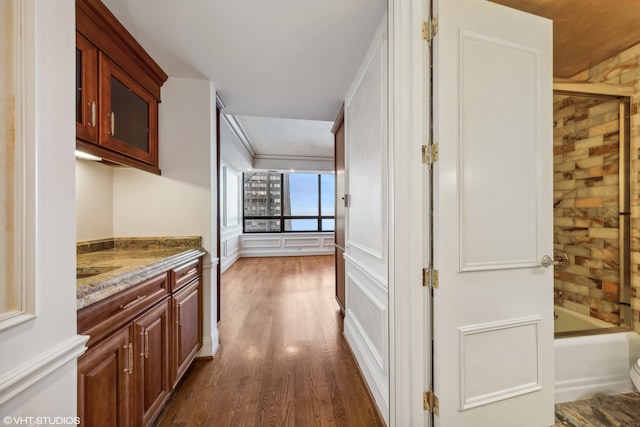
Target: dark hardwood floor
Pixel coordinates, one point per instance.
(283, 360)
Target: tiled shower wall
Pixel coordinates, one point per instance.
(623, 69)
(586, 146)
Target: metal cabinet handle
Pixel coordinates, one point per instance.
(93, 114)
(129, 368)
(135, 301)
(179, 315)
(146, 344)
(113, 123)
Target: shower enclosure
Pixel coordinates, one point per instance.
(591, 208)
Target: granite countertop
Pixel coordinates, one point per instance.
(106, 267)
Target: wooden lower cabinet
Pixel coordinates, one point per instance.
(105, 382)
(151, 331)
(187, 328)
(141, 346)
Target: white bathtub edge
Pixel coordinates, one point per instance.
(594, 365)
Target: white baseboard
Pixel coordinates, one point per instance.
(210, 345)
(227, 262)
(276, 252)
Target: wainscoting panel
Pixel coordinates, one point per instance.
(229, 249)
(366, 327)
(490, 374)
(286, 244)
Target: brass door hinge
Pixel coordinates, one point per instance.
(430, 29)
(430, 402)
(430, 278)
(429, 154)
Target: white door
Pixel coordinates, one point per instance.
(493, 315)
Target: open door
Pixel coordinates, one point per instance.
(492, 189)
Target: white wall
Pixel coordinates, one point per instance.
(181, 201)
(38, 358)
(366, 220)
(94, 200)
(234, 159)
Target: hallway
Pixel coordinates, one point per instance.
(282, 357)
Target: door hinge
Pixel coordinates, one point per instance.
(430, 278)
(430, 402)
(430, 29)
(430, 154)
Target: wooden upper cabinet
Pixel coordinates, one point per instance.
(117, 91)
(86, 90)
(129, 119)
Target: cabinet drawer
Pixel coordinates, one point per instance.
(98, 319)
(184, 274)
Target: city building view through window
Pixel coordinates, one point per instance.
(288, 202)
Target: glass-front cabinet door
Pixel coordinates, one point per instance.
(129, 114)
(86, 89)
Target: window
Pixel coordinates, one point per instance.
(290, 202)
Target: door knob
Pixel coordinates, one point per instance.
(559, 260)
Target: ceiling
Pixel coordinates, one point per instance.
(268, 60)
(585, 32)
(295, 59)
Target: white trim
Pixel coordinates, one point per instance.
(272, 253)
(24, 376)
(240, 133)
(468, 402)
(378, 386)
(407, 108)
(210, 345)
(379, 281)
(24, 212)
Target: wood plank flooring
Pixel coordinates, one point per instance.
(283, 360)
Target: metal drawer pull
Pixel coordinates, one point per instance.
(135, 301)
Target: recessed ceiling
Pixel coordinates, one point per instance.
(585, 32)
(288, 137)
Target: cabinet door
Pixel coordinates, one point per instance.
(128, 114)
(187, 337)
(105, 382)
(152, 370)
(86, 89)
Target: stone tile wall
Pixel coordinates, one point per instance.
(623, 69)
(586, 147)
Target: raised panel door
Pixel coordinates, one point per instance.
(151, 331)
(187, 337)
(128, 114)
(86, 89)
(105, 382)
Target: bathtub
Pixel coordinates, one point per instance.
(570, 321)
(590, 365)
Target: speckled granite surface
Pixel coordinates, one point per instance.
(621, 410)
(105, 267)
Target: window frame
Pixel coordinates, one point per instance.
(282, 217)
